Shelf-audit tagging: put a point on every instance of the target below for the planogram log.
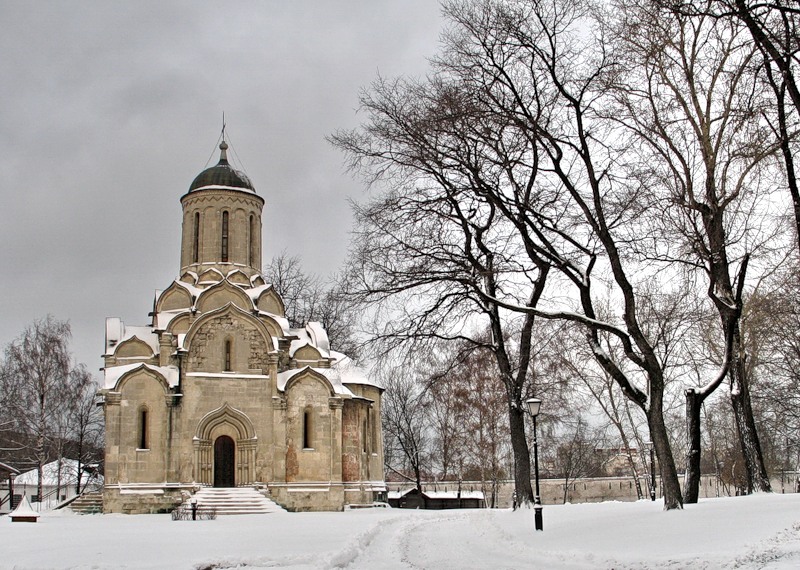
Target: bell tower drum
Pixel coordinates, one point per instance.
(221, 221)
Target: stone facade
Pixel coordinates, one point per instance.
(220, 390)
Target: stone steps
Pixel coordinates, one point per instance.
(88, 503)
(233, 501)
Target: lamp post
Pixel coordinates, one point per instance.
(533, 405)
(652, 449)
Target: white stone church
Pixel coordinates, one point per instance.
(219, 391)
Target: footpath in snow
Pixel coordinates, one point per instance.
(761, 531)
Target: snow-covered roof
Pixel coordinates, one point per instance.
(223, 187)
(319, 336)
(283, 322)
(439, 494)
(314, 335)
(117, 333)
(69, 474)
(304, 337)
(114, 373)
(330, 374)
(24, 509)
(191, 288)
(453, 494)
(164, 318)
(350, 372)
(7, 468)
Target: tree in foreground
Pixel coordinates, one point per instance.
(36, 384)
(49, 401)
(688, 96)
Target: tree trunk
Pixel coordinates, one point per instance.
(634, 471)
(691, 488)
(40, 461)
(658, 432)
(628, 454)
(522, 457)
(417, 476)
(757, 478)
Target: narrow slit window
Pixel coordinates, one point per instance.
(252, 249)
(307, 427)
(144, 436)
(224, 237)
(228, 349)
(196, 238)
(364, 435)
(373, 431)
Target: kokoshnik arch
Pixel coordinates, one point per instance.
(219, 390)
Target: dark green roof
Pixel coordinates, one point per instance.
(222, 174)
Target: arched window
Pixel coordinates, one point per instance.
(196, 238)
(144, 429)
(228, 357)
(252, 250)
(224, 237)
(308, 427)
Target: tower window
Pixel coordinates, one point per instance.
(144, 435)
(224, 237)
(228, 347)
(252, 250)
(308, 442)
(196, 238)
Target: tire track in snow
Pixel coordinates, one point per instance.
(475, 537)
(388, 544)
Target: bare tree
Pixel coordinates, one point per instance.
(431, 254)
(500, 158)
(773, 28)
(468, 417)
(771, 320)
(308, 298)
(540, 72)
(405, 427)
(685, 93)
(36, 383)
(301, 292)
(575, 452)
(85, 420)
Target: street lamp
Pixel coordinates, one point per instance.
(533, 405)
(652, 449)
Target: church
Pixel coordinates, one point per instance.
(220, 391)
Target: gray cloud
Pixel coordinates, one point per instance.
(109, 110)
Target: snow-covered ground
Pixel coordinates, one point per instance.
(761, 531)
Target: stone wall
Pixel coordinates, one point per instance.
(593, 490)
(143, 499)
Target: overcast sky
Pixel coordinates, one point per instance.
(108, 110)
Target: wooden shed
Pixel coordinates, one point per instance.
(416, 499)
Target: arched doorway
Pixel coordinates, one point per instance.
(224, 462)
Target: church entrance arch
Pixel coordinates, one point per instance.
(225, 448)
(224, 462)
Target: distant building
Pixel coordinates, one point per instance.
(59, 483)
(219, 390)
(416, 499)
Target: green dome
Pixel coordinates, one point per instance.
(222, 174)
